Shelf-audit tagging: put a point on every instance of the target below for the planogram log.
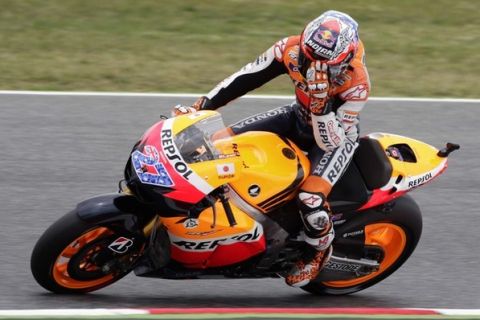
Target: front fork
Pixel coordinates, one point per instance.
(131, 221)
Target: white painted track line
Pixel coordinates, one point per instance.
(194, 95)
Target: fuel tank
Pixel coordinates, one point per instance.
(272, 168)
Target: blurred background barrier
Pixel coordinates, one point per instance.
(414, 47)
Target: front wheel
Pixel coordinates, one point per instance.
(395, 234)
(73, 256)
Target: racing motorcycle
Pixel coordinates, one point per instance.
(198, 203)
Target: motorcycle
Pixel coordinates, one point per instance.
(198, 203)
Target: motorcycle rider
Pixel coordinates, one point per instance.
(326, 64)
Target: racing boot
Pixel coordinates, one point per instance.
(319, 234)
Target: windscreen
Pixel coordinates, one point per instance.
(195, 142)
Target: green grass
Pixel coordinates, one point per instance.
(414, 47)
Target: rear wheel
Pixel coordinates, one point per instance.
(396, 237)
(73, 256)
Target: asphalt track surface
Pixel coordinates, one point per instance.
(59, 150)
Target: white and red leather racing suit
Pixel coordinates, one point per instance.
(330, 139)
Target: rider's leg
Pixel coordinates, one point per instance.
(318, 228)
(327, 168)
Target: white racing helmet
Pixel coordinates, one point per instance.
(331, 38)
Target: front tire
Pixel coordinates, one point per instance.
(72, 256)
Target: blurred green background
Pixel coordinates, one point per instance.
(423, 48)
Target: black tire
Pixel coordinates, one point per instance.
(58, 238)
(405, 216)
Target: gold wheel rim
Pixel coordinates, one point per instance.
(391, 238)
(60, 273)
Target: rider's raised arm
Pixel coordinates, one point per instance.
(266, 67)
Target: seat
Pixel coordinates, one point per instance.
(373, 164)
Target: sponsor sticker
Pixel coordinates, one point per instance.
(349, 117)
(327, 33)
(226, 170)
(211, 244)
(279, 48)
(260, 117)
(190, 223)
(310, 200)
(149, 169)
(202, 233)
(352, 234)
(359, 92)
(254, 190)
(173, 155)
(418, 181)
(120, 245)
(344, 267)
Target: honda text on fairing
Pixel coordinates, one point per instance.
(197, 203)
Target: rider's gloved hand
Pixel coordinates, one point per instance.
(201, 103)
(197, 105)
(318, 86)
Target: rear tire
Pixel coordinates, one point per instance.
(64, 258)
(397, 233)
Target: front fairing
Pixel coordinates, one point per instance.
(176, 159)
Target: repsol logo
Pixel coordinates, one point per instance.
(173, 156)
(341, 162)
(333, 164)
(212, 244)
(419, 181)
(259, 117)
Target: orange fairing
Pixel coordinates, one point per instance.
(391, 238)
(420, 166)
(210, 241)
(415, 172)
(272, 168)
(263, 171)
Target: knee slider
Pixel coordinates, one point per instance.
(316, 222)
